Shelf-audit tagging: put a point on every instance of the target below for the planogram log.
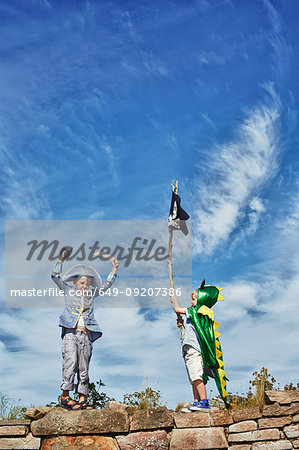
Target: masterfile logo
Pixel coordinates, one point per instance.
(141, 247)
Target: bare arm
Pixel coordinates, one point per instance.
(55, 275)
(57, 269)
(176, 306)
(112, 275)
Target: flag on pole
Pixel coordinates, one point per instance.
(177, 215)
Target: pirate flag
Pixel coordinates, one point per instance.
(177, 215)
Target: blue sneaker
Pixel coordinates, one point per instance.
(203, 405)
(195, 406)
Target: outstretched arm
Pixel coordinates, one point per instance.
(57, 270)
(112, 275)
(176, 307)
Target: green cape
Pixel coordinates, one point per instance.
(202, 318)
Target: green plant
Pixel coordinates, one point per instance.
(263, 377)
(291, 387)
(10, 410)
(262, 381)
(148, 398)
(94, 397)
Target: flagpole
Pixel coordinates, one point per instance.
(170, 271)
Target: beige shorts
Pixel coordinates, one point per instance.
(194, 363)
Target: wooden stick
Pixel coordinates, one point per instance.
(171, 280)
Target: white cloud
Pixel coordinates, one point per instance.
(282, 52)
(210, 122)
(259, 319)
(24, 197)
(211, 58)
(265, 337)
(113, 164)
(156, 66)
(97, 215)
(236, 172)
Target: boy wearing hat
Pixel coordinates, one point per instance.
(79, 326)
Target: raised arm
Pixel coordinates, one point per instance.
(112, 275)
(57, 269)
(176, 307)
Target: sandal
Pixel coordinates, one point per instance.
(84, 405)
(67, 405)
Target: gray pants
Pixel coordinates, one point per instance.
(76, 354)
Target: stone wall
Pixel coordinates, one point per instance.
(112, 428)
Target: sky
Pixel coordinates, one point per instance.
(105, 103)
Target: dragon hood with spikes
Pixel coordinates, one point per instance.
(202, 318)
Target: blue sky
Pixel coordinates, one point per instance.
(103, 104)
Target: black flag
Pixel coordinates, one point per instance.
(177, 215)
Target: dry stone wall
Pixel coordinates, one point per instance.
(276, 428)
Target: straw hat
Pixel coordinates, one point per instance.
(79, 271)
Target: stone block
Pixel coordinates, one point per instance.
(79, 442)
(117, 406)
(246, 414)
(149, 419)
(291, 431)
(240, 447)
(13, 430)
(277, 445)
(248, 425)
(275, 422)
(38, 412)
(16, 443)
(63, 422)
(295, 418)
(252, 436)
(280, 410)
(198, 438)
(192, 420)
(144, 440)
(219, 418)
(282, 397)
(295, 443)
(15, 422)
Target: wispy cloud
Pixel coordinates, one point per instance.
(211, 58)
(113, 164)
(234, 176)
(156, 65)
(282, 51)
(24, 196)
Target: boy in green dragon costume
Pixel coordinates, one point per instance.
(200, 345)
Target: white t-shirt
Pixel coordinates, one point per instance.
(190, 335)
(81, 323)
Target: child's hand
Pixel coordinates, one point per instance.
(115, 263)
(174, 301)
(179, 322)
(64, 253)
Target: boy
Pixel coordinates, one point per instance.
(79, 327)
(193, 358)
